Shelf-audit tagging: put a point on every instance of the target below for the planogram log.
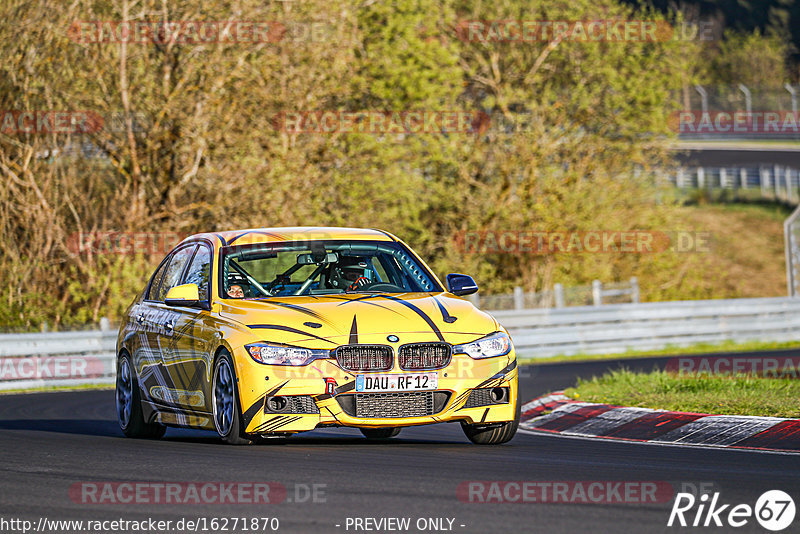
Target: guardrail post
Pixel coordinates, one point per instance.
(634, 290)
(743, 177)
(519, 298)
(776, 182)
(105, 324)
(704, 98)
(723, 178)
(597, 293)
(793, 92)
(680, 179)
(558, 289)
(701, 177)
(475, 300)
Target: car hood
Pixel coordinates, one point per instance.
(325, 321)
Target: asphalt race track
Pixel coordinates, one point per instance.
(52, 441)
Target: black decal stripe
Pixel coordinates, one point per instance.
(301, 309)
(282, 421)
(288, 329)
(285, 422)
(357, 299)
(294, 307)
(420, 313)
(353, 332)
(461, 399)
(507, 369)
(222, 239)
(484, 415)
(251, 412)
(363, 300)
(265, 423)
(274, 390)
(446, 317)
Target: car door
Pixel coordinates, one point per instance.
(187, 347)
(144, 344)
(164, 322)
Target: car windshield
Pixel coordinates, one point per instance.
(321, 268)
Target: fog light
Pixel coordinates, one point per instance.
(277, 404)
(498, 394)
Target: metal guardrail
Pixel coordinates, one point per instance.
(791, 244)
(72, 358)
(57, 359)
(772, 182)
(650, 326)
(596, 294)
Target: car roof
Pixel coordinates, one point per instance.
(294, 233)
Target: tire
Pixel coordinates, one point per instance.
(227, 412)
(129, 404)
(380, 433)
(493, 435)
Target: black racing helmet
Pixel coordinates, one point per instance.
(349, 269)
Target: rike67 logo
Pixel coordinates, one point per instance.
(774, 510)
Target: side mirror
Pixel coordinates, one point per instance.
(461, 284)
(183, 295)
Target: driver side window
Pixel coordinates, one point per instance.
(174, 271)
(152, 293)
(200, 270)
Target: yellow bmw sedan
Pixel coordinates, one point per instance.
(275, 331)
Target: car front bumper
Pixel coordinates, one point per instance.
(322, 394)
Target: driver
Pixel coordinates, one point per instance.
(235, 291)
(351, 273)
(238, 288)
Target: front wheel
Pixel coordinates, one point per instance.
(492, 434)
(227, 412)
(129, 405)
(380, 433)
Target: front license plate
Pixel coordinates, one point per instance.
(404, 382)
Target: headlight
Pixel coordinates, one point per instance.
(271, 354)
(487, 347)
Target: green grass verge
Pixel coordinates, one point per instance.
(731, 395)
(671, 350)
(738, 143)
(47, 389)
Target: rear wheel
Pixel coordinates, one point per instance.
(227, 412)
(493, 434)
(129, 404)
(380, 433)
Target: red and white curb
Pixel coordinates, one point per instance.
(559, 414)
